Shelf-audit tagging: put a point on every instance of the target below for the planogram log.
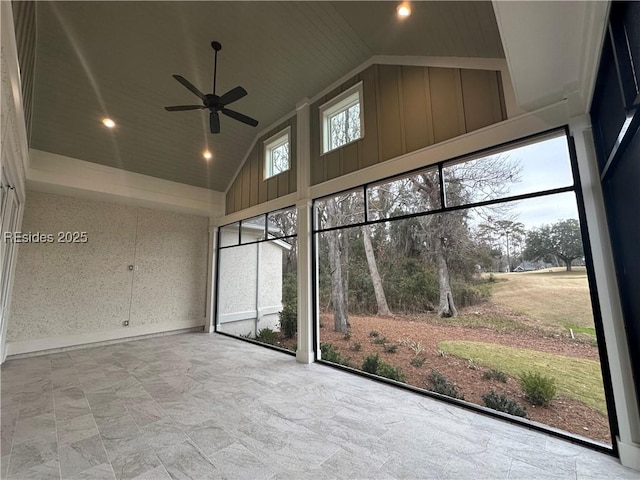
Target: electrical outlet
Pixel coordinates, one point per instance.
(125, 323)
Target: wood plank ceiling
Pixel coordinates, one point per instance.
(97, 59)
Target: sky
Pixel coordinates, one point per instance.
(545, 165)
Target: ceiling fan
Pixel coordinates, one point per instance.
(212, 101)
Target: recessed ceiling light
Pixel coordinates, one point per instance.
(207, 155)
(403, 10)
(108, 123)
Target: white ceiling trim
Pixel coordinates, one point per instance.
(58, 174)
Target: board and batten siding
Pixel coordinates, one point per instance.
(250, 188)
(407, 108)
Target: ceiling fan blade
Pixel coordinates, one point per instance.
(214, 122)
(187, 84)
(240, 117)
(233, 95)
(180, 108)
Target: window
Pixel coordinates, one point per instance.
(341, 119)
(277, 154)
(257, 279)
(464, 238)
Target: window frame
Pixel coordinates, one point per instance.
(270, 144)
(342, 102)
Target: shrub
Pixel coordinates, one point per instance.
(443, 386)
(538, 389)
(331, 354)
(391, 348)
(266, 335)
(347, 335)
(380, 340)
(417, 361)
(492, 278)
(494, 374)
(289, 321)
(416, 347)
(373, 333)
(356, 346)
(503, 404)
(389, 371)
(371, 362)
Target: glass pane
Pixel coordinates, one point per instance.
(280, 158)
(253, 229)
(466, 303)
(343, 209)
(417, 193)
(283, 223)
(257, 292)
(543, 165)
(338, 130)
(229, 234)
(353, 126)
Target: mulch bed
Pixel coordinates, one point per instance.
(563, 413)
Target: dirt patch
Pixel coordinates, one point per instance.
(564, 413)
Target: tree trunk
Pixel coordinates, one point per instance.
(381, 299)
(447, 307)
(344, 263)
(567, 262)
(340, 316)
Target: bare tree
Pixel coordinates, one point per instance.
(381, 299)
(471, 181)
(340, 314)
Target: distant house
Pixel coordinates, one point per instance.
(526, 267)
(250, 282)
(531, 266)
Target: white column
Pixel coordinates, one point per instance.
(625, 400)
(306, 349)
(211, 277)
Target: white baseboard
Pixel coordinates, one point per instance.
(52, 343)
(629, 454)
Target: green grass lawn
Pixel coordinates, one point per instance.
(557, 298)
(575, 377)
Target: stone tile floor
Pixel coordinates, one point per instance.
(198, 406)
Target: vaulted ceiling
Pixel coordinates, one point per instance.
(115, 59)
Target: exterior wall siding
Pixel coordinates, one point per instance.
(407, 108)
(249, 188)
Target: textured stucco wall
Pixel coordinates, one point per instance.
(240, 303)
(63, 289)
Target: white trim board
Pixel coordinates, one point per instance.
(248, 314)
(77, 339)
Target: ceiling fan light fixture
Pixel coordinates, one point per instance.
(403, 10)
(109, 123)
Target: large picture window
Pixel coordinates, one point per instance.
(256, 287)
(469, 280)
